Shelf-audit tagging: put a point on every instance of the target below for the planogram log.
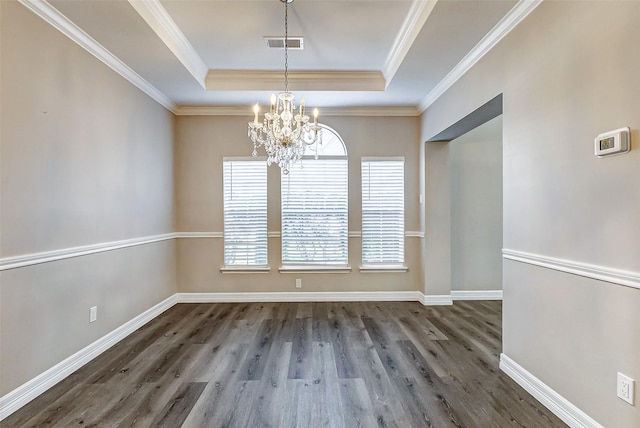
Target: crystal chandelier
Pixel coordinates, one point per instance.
(284, 134)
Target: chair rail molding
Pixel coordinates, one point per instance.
(67, 253)
(24, 260)
(602, 273)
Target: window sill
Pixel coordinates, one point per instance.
(383, 269)
(315, 269)
(245, 269)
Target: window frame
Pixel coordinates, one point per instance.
(248, 268)
(374, 267)
(292, 266)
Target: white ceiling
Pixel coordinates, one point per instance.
(357, 53)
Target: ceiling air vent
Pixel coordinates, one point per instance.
(278, 42)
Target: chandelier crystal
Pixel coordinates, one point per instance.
(286, 131)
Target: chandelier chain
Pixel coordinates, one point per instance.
(286, 48)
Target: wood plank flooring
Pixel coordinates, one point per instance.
(356, 364)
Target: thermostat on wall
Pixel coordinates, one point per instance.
(613, 142)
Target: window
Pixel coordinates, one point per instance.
(315, 206)
(383, 211)
(245, 212)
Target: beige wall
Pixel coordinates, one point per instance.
(476, 208)
(202, 143)
(437, 214)
(564, 81)
(81, 164)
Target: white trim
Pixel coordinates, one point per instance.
(382, 158)
(414, 21)
(67, 253)
(299, 80)
(277, 234)
(245, 269)
(60, 22)
(325, 112)
(22, 395)
(157, 17)
(602, 273)
(518, 13)
(476, 294)
(301, 296)
(435, 300)
(314, 269)
(245, 158)
(199, 235)
(556, 403)
(214, 111)
(383, 268)
(371, 111)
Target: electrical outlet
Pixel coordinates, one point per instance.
(93, 313)
(298, 283)
(625, 388)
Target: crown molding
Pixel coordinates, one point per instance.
(307, 80)
(413, 23)
(337, 111)
(510, 21)
(371, 111)
(157, 17)
(214, 111)
(60, 22)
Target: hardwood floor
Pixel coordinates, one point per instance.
(357, 364)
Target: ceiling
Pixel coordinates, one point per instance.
(358, 54)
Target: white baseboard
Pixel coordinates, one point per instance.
(476, 295)
(347, 296)
(560, 406)
(22, 395)
(435, 300)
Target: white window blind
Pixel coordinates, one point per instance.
(315, 212)
(245, 212)
(383, 211)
